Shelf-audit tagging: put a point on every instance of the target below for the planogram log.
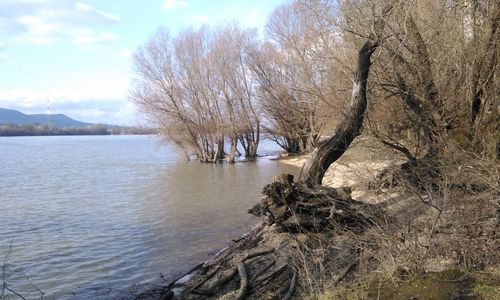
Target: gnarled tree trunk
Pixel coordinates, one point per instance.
(329, 151)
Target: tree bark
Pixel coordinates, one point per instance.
(326, 153)
(233, 151)
(329, 151)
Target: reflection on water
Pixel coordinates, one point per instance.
(92, 215)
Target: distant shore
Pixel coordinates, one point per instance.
(12, 130)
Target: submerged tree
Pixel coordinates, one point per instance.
(197, 87)
(236, 84)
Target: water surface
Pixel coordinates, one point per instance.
(90, 216)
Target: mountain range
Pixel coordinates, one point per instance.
(10, 116)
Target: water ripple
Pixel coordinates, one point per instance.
(92, 216)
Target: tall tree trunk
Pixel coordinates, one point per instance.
(219, 153)
(233, 151)
(326, 153)
(252, 150)
(329, 151)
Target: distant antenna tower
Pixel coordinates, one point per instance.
(48, 110)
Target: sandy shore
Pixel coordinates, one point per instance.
(360, 164)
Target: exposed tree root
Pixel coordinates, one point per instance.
(259, 265)
(247, 269)
(276, 261)
(243, 281)
(297, 207)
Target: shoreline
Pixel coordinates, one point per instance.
(220, 274)
(175, 287)
(353, 170)
(343, 173)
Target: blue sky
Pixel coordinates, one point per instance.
(78, 53)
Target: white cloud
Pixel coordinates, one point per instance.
(38, 30)
(128, 113)
(80, 6)
(107, 86)
(38, 25)
(86, 114)
(45, 22)
(83, 37)
(38, 40)
(171, 4)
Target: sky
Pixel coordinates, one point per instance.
(77, 54)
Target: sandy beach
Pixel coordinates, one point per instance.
(360, 164)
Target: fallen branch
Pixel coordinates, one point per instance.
(15, 293)
(200, 291)
(243, 281)
(291, 289)
(207, 277)
(260, 253)
(228, 274)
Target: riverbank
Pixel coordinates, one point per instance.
(359, 165)
(405, 243)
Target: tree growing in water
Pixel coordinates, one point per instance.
(198, 89)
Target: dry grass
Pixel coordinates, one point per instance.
(451, 222)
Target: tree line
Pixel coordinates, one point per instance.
(48, 130)
(434, 85)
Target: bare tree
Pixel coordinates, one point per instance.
(231, 49)
(173, 88)
(332, 149)
(440, 61)
(199, 89)
(298, 75)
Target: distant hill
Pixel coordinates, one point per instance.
(10, 116)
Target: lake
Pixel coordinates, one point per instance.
(86, 217)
